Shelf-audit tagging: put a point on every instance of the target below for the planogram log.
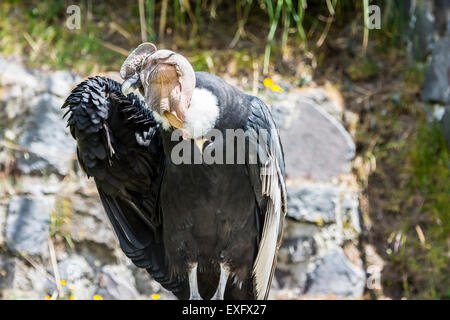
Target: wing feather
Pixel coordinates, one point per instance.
(268, 180)
(119, 145)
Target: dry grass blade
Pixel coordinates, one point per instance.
(210, 64)
(16, 147)
(274, 16)
(242, 19)
(366, 28)
(31, 42)
(191, 15)
(162, 22)
(116, 27)
(35, 265)
(115, 48)
(142, 21)
(255, 78)
(51, 249)
(324, 34)
(420, 235)
(330, 7)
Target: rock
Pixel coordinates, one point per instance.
(79, 276)
(17, 275)
(302, 244)
(3, 207)
(28, 223)
(30, 109)
(45, 134)
(285, 294)
(314, 203)
(298, 249)
(146, 286)
(336, 275)
(424, 28)
(437, 75)
(14, 74)
(323, 218)
(18, 86)
(166, 295)
(7, 271)
(74, 268)
(117, 283)
(434, 111)
(327, 98)
(446, 126)
(316, 145)
(144, 283)
(89, 223)
(37, 186)
(14, 108)
(283, 112)
(351, 218)
(324, 204)
(442, 16)
(60, 83)
(290, 276)
(438, 112)
(35, 279)
(283, 105)
(14, 294)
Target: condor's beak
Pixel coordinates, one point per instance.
(173, 119)
(131, 84)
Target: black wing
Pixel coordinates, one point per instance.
(266, 171)
(119, 144)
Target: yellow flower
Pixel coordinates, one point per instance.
(276, 88)
(268, 82)
(319, 221)
(97, 297)
(156, 296)
(71, 298)
(48, 298)
(63, 282)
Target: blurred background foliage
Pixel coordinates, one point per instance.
(403, 166)
(263, 29)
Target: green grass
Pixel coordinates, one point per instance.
(37, 31)
(362, 68)
(411, 188)
(429, 263)
(60, 219)
(421, 201)
(407, 187)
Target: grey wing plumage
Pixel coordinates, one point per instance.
(268, 180)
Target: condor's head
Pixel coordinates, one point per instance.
(166, 80)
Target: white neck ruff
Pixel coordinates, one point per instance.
(200, 117)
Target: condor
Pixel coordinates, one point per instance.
(204, 231)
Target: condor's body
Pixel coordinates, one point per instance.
(169, 216)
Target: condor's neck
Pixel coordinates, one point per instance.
(214, 104)
(201, 116)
